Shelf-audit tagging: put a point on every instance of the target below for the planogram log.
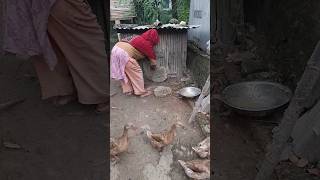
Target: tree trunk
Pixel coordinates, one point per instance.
(174, 9)
(301, 100)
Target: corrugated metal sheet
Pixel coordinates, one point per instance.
(146, 27)
(171, 51)
(200, 14)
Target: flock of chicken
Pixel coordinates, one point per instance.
(195, 169)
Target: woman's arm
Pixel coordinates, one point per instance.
(153, 62)
(153, 65)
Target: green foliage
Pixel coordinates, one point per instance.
(183, 8)
(148, 11)
(165, 16)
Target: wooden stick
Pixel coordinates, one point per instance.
(117, 21)
(301, 100)
(8, 104)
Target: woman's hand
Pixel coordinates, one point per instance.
(153, 65)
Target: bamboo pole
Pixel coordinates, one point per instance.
(300, 101)
(204, 93)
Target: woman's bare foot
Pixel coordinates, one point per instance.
(128, 93)
(102, 107)
(63, 100)
(148, 93)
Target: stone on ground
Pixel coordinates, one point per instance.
(162, 91)
(160, 74)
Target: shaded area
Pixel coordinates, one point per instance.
(66, 142)
(269, 40)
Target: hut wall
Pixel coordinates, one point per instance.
(172, 52)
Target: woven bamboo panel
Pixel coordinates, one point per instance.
(172, 52)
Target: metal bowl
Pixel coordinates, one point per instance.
(256, 97)
(190, 92)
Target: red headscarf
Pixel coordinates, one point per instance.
(145, 43)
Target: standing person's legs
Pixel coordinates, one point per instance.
(57, 83)
(135, 79)
(75, 30)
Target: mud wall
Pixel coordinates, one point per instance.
(199, 64)
(290, 30)
(286, 31)
(225, 16)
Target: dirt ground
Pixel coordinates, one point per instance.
(143, 162)
(238, 146)
(56, 143)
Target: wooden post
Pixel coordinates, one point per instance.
(117, 21)
(2, 25)
(302, 99)
(204, 93)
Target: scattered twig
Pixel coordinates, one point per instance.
(112, 94)
(9, 104)
(11, 145)
(113, 107)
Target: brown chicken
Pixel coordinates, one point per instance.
(161, 140)
(120, 144)
(196, 169)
